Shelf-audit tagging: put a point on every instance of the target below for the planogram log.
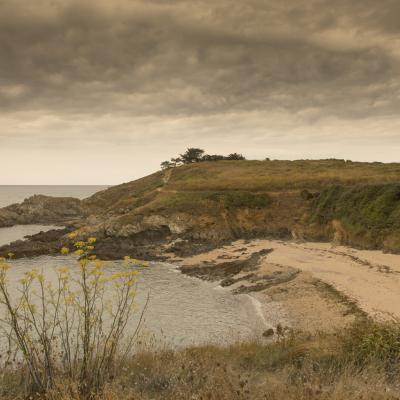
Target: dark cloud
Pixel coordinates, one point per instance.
(191, 58)
(303, 77)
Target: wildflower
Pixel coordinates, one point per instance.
(64, 250)
(4, 267)
(63, 270)
(83, 262)
(79, 252)
(73, 235)
(92, 240)
(90, 247)
(79, 244)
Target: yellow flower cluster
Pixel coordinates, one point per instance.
(4, 266)
(73, 235)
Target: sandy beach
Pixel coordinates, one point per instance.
(332, 284)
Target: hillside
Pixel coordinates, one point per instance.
(212, 202)
(205, 204)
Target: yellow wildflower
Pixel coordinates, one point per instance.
(83, 262)
(4, 266)
(73, 235)
(79, 244)
(63, 270)
(79, 252)
(64, 250)
(92, 240)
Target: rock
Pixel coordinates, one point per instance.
(41, 209)
(43, 243)
(227, 270)
(268, 333)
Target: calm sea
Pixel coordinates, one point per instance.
(182, 311)
(16, 194)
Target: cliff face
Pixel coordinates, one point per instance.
(210, 203)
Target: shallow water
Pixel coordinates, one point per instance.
(182, 311)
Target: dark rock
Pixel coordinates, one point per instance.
(269, 332)
(43, 243)
(225, 270)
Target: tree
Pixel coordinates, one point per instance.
(192, 155)
(212, 157)
(166, 165)
(235, 156)
(176, 162)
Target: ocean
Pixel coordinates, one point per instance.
(17, 194)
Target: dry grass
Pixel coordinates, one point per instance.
(360, 363)
(254, 176)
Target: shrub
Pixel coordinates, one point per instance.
(69, 330)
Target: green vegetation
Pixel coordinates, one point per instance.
(303, 196)
(370, 214)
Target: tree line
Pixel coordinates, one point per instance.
(195, 155)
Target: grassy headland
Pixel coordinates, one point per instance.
(351, 202)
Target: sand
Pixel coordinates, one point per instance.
(371, 279)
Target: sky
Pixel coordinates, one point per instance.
(102, 91)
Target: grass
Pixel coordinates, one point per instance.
(361, 362)
(258, 198)
(279, 175)
(251, 176)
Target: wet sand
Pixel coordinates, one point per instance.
(333, 281)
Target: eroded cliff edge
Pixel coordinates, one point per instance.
(196, 207)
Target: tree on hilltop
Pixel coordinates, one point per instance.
(195, 155)
(166, 165)
(212, 157)
(192, 155)
(235, 156)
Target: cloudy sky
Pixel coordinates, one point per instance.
(102, 91)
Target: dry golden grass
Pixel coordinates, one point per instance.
(360, 363)
(256, 176)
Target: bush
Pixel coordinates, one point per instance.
(70, 330)
(372, 343)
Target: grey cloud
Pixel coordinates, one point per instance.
(194, 58)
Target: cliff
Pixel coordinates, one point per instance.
(205, 204)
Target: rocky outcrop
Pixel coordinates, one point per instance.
(41, 209)
(225, 271)
(48, 243)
